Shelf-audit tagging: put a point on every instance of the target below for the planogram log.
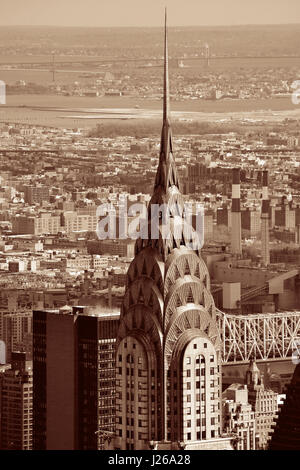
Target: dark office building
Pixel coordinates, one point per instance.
(16, 404)
(286, 435)
(74, 378)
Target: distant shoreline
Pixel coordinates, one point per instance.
(87, 112)
(59, 102)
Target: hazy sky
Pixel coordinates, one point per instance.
(147, 12)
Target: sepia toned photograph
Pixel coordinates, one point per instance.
(149, 228)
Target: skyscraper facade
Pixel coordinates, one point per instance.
(74, 378)
(265, 236)
(236, 224)
(238, 417)
(264, 404)
(286, 432)
(16, 405)
(168, 367)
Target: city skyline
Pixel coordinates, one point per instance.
(149, 342)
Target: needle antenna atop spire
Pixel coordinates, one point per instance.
(166, 74)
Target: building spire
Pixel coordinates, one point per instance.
(166, 74)
(166, 176)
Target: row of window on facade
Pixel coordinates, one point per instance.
(199, 359)
(200, 410)
(200, 435)
(130, 435)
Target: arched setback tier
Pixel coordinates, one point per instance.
(191, 321)
(143, 293)
(182, 261)
(140, 334)
(187, 291)
(138, 382)
(193, 389)
(147, 264)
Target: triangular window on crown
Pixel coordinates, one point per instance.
(141, 296)
(190, 296)
(187, 268)
(144, 270)
(177, 273)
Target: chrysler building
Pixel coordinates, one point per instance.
(168, 366)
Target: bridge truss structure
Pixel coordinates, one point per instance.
(265, 337)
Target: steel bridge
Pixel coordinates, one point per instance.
(263, 337)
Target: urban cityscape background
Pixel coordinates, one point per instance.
(115, 343)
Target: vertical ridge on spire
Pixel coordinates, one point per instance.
(166, 175)
(166, 74)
